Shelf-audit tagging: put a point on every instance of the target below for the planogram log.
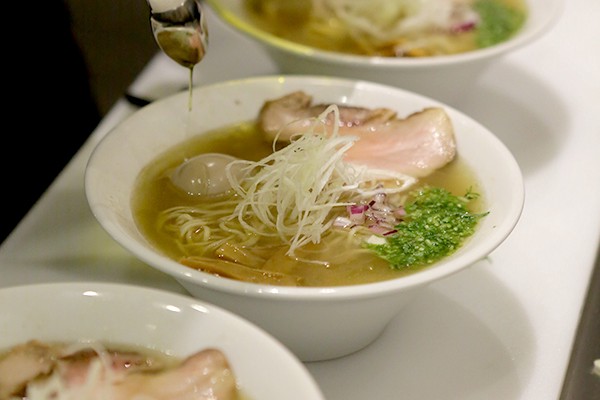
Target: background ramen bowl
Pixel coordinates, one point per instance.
(315, 323)
(445, 78)
(156, 320)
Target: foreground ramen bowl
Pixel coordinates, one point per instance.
(156, 321)
(446, 78)
(316, 323)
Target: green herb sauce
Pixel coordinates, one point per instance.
(498, 22)
(436, 224)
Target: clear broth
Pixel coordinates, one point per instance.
(348, 263)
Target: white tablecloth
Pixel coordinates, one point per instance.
(502, 329)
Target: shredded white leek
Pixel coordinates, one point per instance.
(386, 20)
(294, 194)
(56, 388)
(293, 191)
(98, 383)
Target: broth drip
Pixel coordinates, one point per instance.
(180, 33)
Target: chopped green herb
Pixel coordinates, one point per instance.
(436, 224)
(498, 22)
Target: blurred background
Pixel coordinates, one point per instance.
(71, 61)
(116, 42)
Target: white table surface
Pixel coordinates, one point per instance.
(502, 329)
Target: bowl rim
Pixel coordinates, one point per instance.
(325, 293)
(273, 43)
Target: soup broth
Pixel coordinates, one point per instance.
(347, 262)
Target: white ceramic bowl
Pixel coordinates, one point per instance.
(446, 78)
(159, 321)
(315, 323)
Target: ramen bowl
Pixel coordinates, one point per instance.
(316, 323)
(150, 322)
(447, 78)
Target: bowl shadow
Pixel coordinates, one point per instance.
(449, 343)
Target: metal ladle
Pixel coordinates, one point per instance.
(179, 29)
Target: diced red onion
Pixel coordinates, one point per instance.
(378, 216)
(378, 229)
(463, 27)
(358, 208)
(342, 222)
